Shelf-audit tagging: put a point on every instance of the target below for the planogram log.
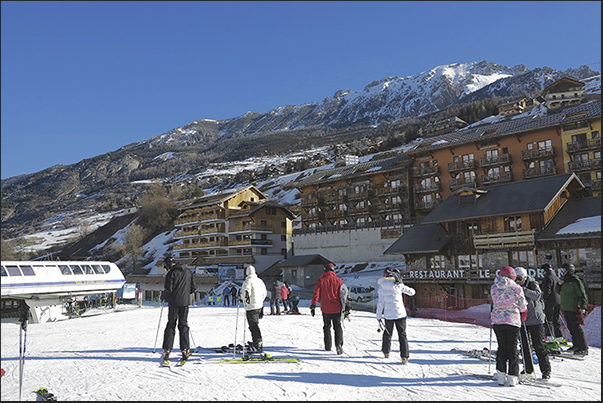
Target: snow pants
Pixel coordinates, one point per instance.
(177, 314)
(534, 337)
(285, 304)
(253, 319)
(507, 337)
(335, 320)
(400, 325)
(578, 337)
(274, 301)
(553, 313)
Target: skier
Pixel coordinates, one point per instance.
(285, 291)
(275, 292)
(178, 286)
(328, 290)
(226, 296)
(573, 305)
(552, 304)
(294, 300)
(533, 324)
(253, 294)
(391, 307)
(509, 308)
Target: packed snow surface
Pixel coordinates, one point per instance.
(109, 355)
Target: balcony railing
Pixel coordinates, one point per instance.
(493, 179)
(251, 242)
(584, 165)
(419, 172)
(504, 159)
(504, 240)
(585, 145)
(537, 172)
(455, 184)
(430, 188)
(462, 166)
(537, 153)
(427, 205)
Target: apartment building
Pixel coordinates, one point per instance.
(543, 143)
(233, 228)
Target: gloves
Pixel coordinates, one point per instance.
(346, 310)
(524, 315)
(261, 315)
(312, 308)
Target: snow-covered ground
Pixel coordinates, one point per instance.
(109, 356)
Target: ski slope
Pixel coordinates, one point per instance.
(109, 356)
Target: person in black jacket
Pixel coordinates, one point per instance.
(178, 287)
(552, 303)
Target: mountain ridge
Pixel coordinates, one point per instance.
(113, 180)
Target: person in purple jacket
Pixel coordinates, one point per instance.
(509, 310)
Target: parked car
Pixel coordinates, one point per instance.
(360, 294)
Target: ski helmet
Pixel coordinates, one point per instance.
(568, 268)
(329, 267)
(391, 272)
(168, 262)
(508, 271)
(546, 267)
(521, 273)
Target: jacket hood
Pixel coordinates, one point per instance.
(250, 270)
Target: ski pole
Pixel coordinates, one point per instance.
(158, 325)
(234, 350)
(525, 328)
(244, 345)
(490, 350)
(22, 345)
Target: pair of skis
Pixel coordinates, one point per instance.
(166, 360)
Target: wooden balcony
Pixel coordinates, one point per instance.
(455, 184)
(527, 155)
(426, 171)
(538, 172)
(431, 188)
(582, 166)
(462, 166)
(486, 162)
(580, 146)
(494, 179)
(504, 240)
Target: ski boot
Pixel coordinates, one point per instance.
(166, 358)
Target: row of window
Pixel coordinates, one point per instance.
(28, 270)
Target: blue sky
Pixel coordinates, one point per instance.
(80, 79)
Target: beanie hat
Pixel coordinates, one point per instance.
(508, 271)
(521, 272)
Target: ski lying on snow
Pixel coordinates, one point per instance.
(568, 355)
(266, 358)
(523, 379)
(483, 354)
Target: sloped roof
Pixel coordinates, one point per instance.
(221, 197)
(303, 260)
(348, 171)
(420, 239)
(509, 126)
(532, 195)
(202, 260)
(571, 212)
(257, 206)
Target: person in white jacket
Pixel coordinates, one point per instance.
(391, 308)
(253, 294)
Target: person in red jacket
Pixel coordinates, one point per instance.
(328, 290)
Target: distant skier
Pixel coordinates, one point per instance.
(328, 290)
(253, 294)
(178, 286)
(573, 305)
(391, 307)
(285, 291)
(275, 293)
(552, 302)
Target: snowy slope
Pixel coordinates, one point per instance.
(110, 357)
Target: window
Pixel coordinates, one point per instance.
(469, 261)
(13, 271)
(575, 256)
(523, 258)
(472, 228)
(76, 269)
(512, 224)
(492, 154)
(66, 270)
(27, 271)
(545, 145)
(437, 262)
